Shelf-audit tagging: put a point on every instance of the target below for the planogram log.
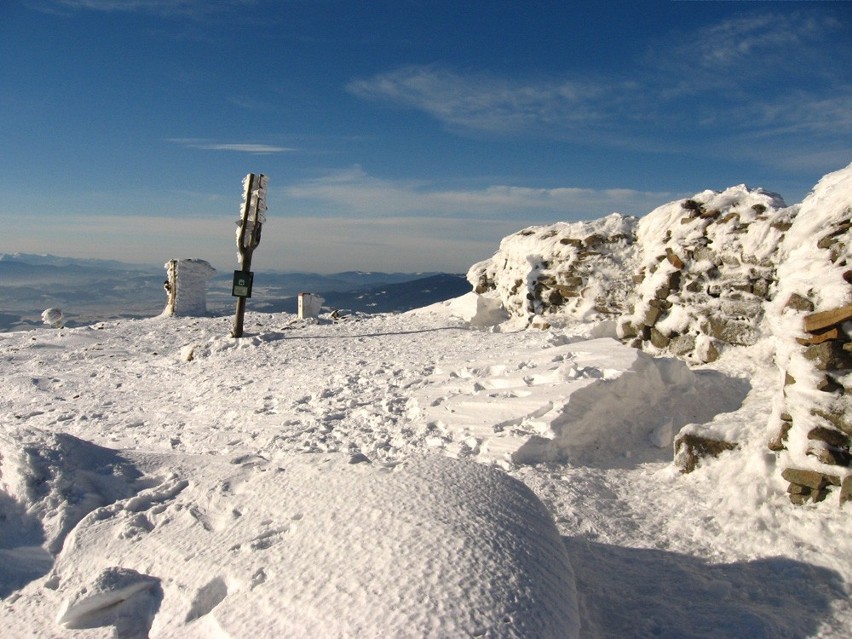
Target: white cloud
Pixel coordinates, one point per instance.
(753, 43)
(253, 148)
(485, 102)
(354, 192)
(168, 8)
(717, 81)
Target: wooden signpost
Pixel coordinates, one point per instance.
(248, 237)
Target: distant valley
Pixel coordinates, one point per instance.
(89, 291)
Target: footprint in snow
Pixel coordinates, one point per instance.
(207, 598)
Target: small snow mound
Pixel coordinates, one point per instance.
(52, 317)
(56, 479)
(117, 597)
(432, 546)
(595, 402)
(479, 311)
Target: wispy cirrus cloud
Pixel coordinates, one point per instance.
(167, 8)
(242, 147)
(486, 101)
(755, 43)
(719, 80)
(354, 192)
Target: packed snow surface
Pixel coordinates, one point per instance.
(396, 475)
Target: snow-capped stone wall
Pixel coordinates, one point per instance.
(580, 269)
(811, 322)
(698, 276)
(707, 267)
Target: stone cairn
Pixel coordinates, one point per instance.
(812, 426)
(578, 270)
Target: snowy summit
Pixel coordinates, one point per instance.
(499, 465)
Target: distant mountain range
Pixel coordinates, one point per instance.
(89, 290)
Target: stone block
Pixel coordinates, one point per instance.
(799, 303)
(651, 316)
(682, 344)
(846, 490)
(829, 455)
(779, 441)
(816, 321)
(731, 331)
(658, 339)
(829, 355)
(689, 448)
(673, 259)
(818, 337)
(830, 436)
(810, 478)
(625, 330)
(760, 287)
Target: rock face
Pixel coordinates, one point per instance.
(708, 265)
(811, 321)
(580, 270)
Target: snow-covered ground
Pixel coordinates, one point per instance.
(163, 479)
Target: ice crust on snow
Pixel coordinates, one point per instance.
(319, 545)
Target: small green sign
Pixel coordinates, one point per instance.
(242, 284)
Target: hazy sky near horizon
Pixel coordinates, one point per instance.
(399, 135)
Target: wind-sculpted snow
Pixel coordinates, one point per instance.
(319, 546)
(594, 402)
(159, 477)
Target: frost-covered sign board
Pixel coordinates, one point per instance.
(252, 217)
(242, 284)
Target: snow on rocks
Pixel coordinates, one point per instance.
(196, 500)
(580, 269)
(811, 321)
(707, 267)
(53, 317)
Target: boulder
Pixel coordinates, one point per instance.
(690, 448)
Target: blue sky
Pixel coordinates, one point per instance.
(402, 134)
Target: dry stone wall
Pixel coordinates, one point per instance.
(708, 266)
(576, 270)
(811, 321)
(717, 271)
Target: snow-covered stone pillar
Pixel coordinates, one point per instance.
(309, 305)
(186, 287)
